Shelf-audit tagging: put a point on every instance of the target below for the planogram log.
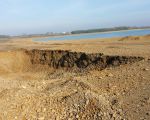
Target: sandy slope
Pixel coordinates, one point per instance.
(34, 93)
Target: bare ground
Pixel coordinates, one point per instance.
(39, 93)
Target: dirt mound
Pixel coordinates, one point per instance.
(148, 35)
(38, 60)
(67, 100)
(129, 38)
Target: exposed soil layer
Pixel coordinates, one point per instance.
(78, 60)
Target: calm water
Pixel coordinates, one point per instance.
(98, 35)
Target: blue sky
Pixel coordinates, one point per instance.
(41, 16)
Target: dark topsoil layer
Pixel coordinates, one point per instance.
(77, 60)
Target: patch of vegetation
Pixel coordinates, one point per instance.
(106, 29)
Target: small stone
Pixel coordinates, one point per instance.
(114, 115)
(77, 116)
(87, 102)
(146, 69)
(44, 82)
(44, 109)
(99, 114)
(143, 77)
(100, 77)
(24, 87)
(104, 114)
(142, 118)
(120, 110)
(41, 118)
(110, 75)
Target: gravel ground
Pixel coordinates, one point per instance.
(116, 93)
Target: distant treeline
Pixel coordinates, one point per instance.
(106, 29)
(4, 36)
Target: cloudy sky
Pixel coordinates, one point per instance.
(41, 16)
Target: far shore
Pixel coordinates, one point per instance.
(40, 37)
(54, 36)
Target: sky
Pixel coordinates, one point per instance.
(40, 16)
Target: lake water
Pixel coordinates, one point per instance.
(98, 35)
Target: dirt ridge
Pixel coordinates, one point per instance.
(78, 60)
(45, 60)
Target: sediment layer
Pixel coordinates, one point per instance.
(78, 60)
(38, 60)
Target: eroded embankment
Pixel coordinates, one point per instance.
(31, 59)
(77, 60)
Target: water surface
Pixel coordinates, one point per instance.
(98, 35)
